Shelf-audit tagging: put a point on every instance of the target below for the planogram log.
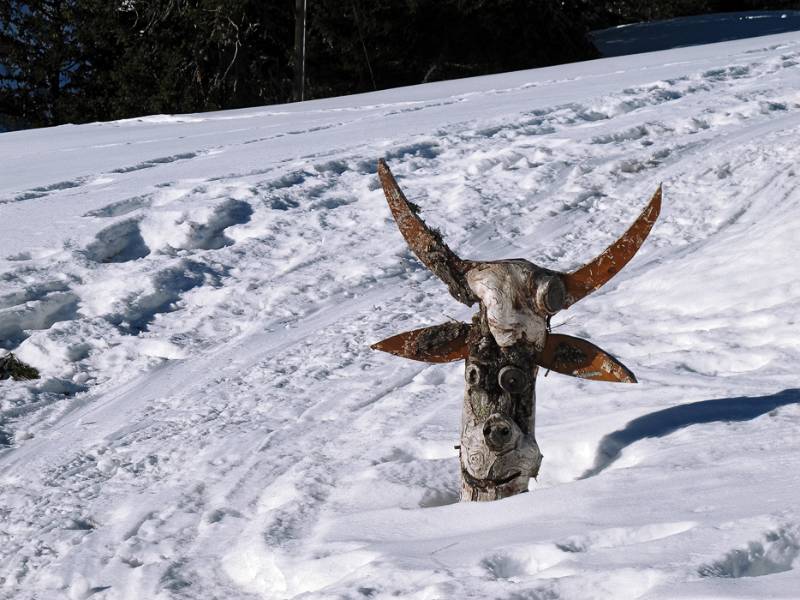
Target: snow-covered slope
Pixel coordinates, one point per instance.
(200, 293)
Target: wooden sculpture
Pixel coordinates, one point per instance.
(506, 343)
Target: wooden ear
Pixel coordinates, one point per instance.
(425, 242)
(437, 344)
(592, 275)
(578, 358)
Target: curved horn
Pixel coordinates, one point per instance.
(436, 344)
(592, 275)
(425, 242)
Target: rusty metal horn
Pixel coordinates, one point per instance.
(592, 275)
(436, 344)
(579, 358)
(425, 242)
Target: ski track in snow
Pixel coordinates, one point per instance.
(201, 298)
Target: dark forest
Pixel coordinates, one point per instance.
(77, 61)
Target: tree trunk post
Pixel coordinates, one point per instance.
(498, 451)
(299, 50)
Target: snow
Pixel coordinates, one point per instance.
(200, 292)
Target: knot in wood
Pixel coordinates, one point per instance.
(551, 294)
(513, 379)
(473, 375)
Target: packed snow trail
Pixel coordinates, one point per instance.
(200, 293)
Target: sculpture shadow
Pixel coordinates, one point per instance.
(664, 422)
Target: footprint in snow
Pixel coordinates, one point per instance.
(774, 553)
(119, 243)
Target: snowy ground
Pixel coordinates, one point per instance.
(200, 293)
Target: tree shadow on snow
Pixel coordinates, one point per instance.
(693, 30)
(665, 422)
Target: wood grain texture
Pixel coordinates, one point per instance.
(579, 358)
(436, 344)
(498, 451)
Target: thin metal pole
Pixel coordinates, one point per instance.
(299, 50)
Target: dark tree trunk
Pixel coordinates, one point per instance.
(299, 50)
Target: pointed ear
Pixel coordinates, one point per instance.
(592, 275)
(578, 358)
(437, 344)
(425, 242)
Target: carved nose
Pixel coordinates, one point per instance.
(498, 432)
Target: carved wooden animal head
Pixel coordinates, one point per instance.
(508, 339)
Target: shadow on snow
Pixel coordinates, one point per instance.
(664, 422)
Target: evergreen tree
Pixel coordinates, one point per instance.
(83, 60)
(39, 59)
(355, 45)
(152, 56)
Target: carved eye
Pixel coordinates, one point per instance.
(550, 294)
(512, 379)
(473, 374)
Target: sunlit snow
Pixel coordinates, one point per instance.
(200, 293)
